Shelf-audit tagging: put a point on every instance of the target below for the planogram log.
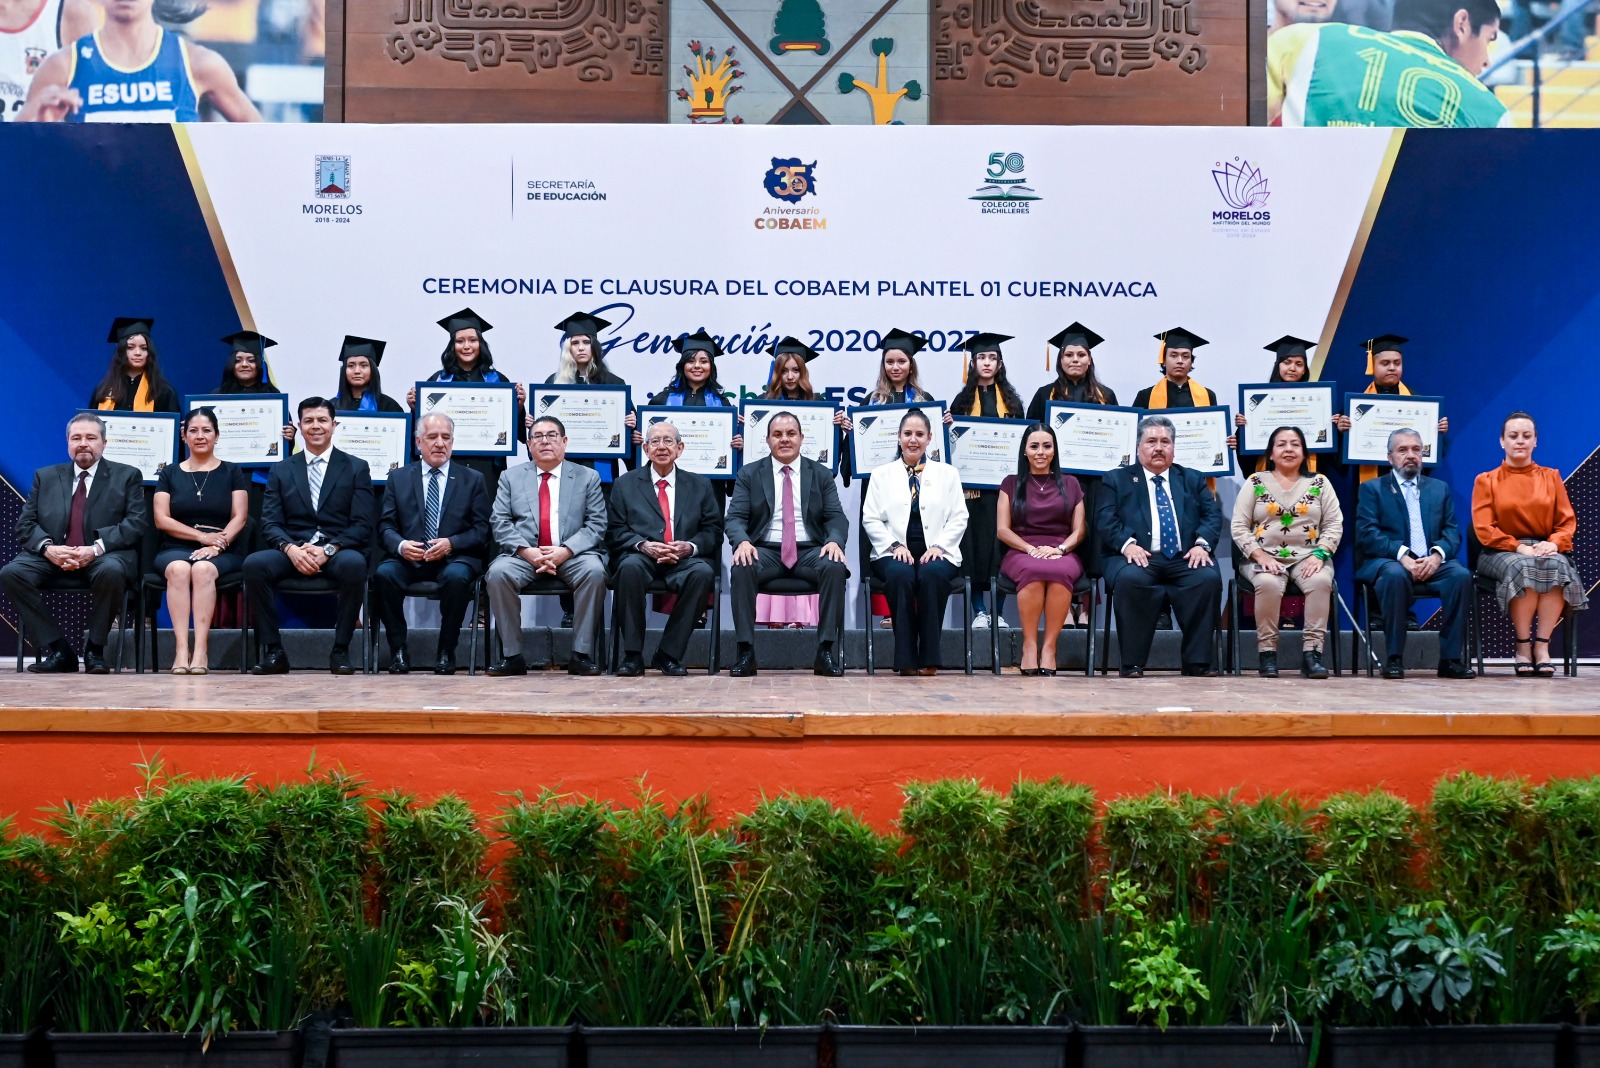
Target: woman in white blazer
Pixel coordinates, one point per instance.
(914, 516)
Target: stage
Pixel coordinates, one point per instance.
(854, 740)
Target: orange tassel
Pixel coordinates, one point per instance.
(1162, 360)
(1370, 372)
(1047, 355)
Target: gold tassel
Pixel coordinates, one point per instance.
(965, 368)
(1047, 355)
(1161, 361)
(1370, 371)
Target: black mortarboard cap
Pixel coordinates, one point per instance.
(248, 341)
(899, 339)
(985, 342)
(1289, 345)
(123, 328)
(794, 345)
(582, 323)
(463, 319)
(1179, 338)
(362, 346)
(1076, 334)
(699, 341)
(1382, 343)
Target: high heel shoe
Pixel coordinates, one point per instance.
(1545, 669)
(1030, 672)
(1524, 668)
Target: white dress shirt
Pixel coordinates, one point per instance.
(1155, 514)
(555, 504)
(444, 489)
(775, 530)
(1405, 546)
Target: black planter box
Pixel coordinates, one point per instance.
(12, 1050)
(1522, 1046)
(951, 1047)
(701, 1047)
(1585, 1046)
(241, 1049)
(1191, 1047)
(445, 1047)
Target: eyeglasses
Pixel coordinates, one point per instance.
(545, 436)
(661, 441)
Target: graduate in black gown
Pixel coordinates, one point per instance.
(466, 358)
(694, 385)
(583, 364)
(133, 382)
(986, 393)
(360, 381)
(1075, 379)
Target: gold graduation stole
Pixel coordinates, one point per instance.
(142, 401)
(1158, 394)
(1002, 412)
(1370, 471)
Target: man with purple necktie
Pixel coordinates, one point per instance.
(785, 520)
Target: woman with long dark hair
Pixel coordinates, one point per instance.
(1291, 363)
(1041, 522)
(360, 381)
(986, 393)
(466, 358)
(1075, 379)
(247, 372)
(133, 382)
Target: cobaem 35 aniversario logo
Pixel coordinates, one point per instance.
(791, 180)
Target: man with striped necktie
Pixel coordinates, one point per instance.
(316, 520)
(435, 526)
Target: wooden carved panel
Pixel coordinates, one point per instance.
(1091, 61)
(503, 60)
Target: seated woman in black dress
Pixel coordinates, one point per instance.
(200, 506)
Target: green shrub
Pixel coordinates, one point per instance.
(1567, 812)
(424, 854)
(1047, 863)
(1367, 846)
(1158, 841)
(955, 841)
(1260, 859)
(1479, 831)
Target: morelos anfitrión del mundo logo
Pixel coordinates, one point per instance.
(1243, 187)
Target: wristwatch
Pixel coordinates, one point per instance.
(895, 546)
(329, 549)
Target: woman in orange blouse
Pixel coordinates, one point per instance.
(1525, 522)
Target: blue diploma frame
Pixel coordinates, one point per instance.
(624, 450)
(1250, 398)
(894, 413)
(222, 400)
(756, 413)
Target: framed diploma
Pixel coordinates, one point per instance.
(383, 439)
(146, 440)
(985, 450)
(596, 418)
(875, 434)
(816, 424)
(1374, 416)
(707, 434)
(485, 414)
(250, 426)
(1200, 438)
(1092, 439)
(1269, 405)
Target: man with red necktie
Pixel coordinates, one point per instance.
(665, 524)
(82, 518)
(549, 519)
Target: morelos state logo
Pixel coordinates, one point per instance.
(1005, 193)
(1243, 188)
(333, 176)
(790, 180)
(331, 183)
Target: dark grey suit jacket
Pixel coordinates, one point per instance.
(636, 513)
(113, 515)
(751, 510)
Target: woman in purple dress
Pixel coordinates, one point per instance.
(1040, 521)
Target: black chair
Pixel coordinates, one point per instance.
(153, 585)
(792, 586)
(1241, 587)
(659, 588)
(317, 585)
(1482, 585)
(551, 586)
(429, 591)
(1087, 587)
(960, 584)
(1105, 633)
(79, 583)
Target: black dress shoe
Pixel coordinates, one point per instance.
(55, 662)
(1027, 671)
(445, 663)
(1311, 665)
(339, 663)
(1267, 665)
(745, 666)
(827, 664)
(400, 662)
(1456, 669)
(1201, 671)
(584, 665)
(1164, 620)
(1048, 673)
(1131, 671)
(566, 620)
(273, 662)
(667, 665)
(509, 665)
(632, 666)
(95, 663)
(1394, 668)
(908, 673)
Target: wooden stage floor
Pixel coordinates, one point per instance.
(795, 705)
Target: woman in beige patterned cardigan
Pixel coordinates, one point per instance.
(1286, 520)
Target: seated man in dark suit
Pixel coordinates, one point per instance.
(435, 526)
(1406, 532)
(785, 519)
(1158, 523)
(665, 523)
(81, 518)
(316, 519)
